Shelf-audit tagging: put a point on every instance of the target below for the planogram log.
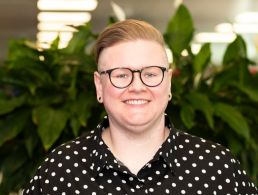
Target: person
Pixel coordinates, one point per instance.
(136, 149)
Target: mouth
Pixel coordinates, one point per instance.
(136, 101)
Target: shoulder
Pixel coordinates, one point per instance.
(65, 164)
(77, 143)
(78, 148)
(198, 144)
(211, 160)
(183, 143)
(203, 153)
(69, 155)
(199, 160)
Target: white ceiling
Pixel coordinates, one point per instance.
(18, 17)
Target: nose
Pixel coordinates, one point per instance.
(137, 84)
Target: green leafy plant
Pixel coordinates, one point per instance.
(47, 97)
(215, 102)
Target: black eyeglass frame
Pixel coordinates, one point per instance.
(109, 71)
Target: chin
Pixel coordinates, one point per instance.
(139, 119)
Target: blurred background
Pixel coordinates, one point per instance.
(215, 21)
(40, 86)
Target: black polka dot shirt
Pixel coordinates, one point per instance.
(184, 164)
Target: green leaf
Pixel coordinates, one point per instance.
(21, 49)
(252, 93)
(202, 59)
(233, 118)
(13, 164)
(224, 79)
(202, 103)
(234, 145)
(187, 115)
(235, 51)
(79, 40)
(75, 124)
(180, 30)
(13, 125)
(7, 106)
(51, 123)
(14, 160)
(31, 138)
(54, 45)
(81, 108)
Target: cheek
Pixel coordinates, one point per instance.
(110, 93)
(164, 90)
(162, 96)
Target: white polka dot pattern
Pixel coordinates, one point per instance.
(184, 164)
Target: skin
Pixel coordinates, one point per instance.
(136, 113)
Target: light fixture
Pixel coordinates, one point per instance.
(119, 12)
(184, 53)
(196, 47)
(247, 17)
(214, 37)
(57, 16)
(76, 5)
(64, 17)
(51, 36)
(224, 28)
(246, 28)
(55, 26)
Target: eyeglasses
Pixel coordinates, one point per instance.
(150, 76)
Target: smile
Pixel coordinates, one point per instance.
(136, 102)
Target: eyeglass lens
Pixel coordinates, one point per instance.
(123, 77)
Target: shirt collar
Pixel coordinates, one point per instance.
(102, 156)
(99, 151)
(167, 149)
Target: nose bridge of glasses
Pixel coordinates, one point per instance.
(139, 79)
(135, 71)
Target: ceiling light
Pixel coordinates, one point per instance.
(64, 17)
(119, 12)
(196, 47)
(245, 28)
(51, 36)
(247, 17)
(224, 28)
(87, 5)
(184, 53)
(56, 18)
(55, 26)
(212, 37)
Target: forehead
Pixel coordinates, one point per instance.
(133, 54)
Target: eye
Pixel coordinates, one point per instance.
(121, 76)
(150, 74)
(121, 73)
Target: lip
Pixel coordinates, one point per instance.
(136, 101)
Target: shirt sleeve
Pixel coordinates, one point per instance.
(243, 184)
(35, 186)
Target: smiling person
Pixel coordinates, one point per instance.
(136, 149)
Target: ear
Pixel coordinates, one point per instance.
(98, 84)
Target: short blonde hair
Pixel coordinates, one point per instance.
(127, 30)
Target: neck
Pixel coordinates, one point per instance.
(135, 147)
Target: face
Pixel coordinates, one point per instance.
(136, 106)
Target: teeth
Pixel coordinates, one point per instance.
(137, 102)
